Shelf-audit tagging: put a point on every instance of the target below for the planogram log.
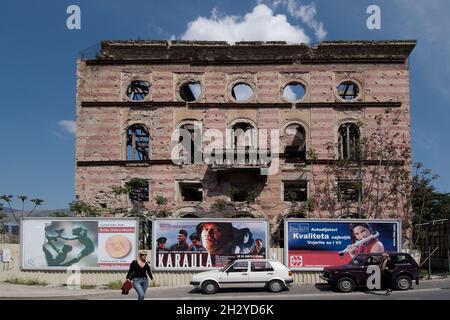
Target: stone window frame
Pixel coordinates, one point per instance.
(307, 133)
(186, 79)
(293, 81)
(125, 136)
(246, 81)
(336, 132)
(128, 77)
(359, 97)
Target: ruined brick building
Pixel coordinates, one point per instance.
(134, 95)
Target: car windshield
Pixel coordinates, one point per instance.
(227, 266)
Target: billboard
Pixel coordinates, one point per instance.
(314, 244)
(89, 243)
(201, 244)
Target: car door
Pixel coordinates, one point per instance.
(260, 273)
(235, 276)
(360, 270)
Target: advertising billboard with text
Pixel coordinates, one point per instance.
(314, 244)
(90, 244)
(200, 244)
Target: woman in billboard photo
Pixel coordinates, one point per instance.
(244, 241)
(217, 237)
(137, 274)
(364, 240)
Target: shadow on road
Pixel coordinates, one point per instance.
(235, 290)
(325, 287)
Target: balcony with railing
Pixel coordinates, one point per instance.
(239, 159)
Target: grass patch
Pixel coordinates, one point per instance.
(115, 285)
(27, 282)
(87, 286)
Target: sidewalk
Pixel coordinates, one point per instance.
(15, 291)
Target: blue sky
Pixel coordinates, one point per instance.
(38, 75)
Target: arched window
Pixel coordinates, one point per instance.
(190, 139)
(137, 143)
(243, 136)
(349, 142)
(189, 215)
(294, 141)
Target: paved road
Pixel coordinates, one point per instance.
(427, 290)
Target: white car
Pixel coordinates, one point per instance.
(245, 273)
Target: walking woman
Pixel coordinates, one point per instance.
(139, 269)
(387, 267)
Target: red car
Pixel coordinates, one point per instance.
(355, 274)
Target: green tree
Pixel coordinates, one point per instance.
(83, 209)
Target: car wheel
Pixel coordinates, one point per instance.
(346, 284)
(210, 287)
(275, 286)
(403, 282)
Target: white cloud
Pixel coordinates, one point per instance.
(259, 25)
(305, 13)
(68, 126)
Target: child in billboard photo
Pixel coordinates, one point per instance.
(244, 241)
(364, 240)
(217, 237)
(137, 274)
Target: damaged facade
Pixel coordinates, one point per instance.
(135, 94)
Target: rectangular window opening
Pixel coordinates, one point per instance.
(295, 191)
(191, 191)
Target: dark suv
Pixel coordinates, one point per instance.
(347, 277)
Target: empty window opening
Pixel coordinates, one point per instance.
(138, 190)
(296, 191)
(348, 142)
(242, 135)
(137, 143)
(349, 191)
(191, 191)
(188, 134)
(239, 195)
(294, 92)
(190, 91)
(242, 92)
(189, 215)
(348, 90)
(137, 90)
(295, 141)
